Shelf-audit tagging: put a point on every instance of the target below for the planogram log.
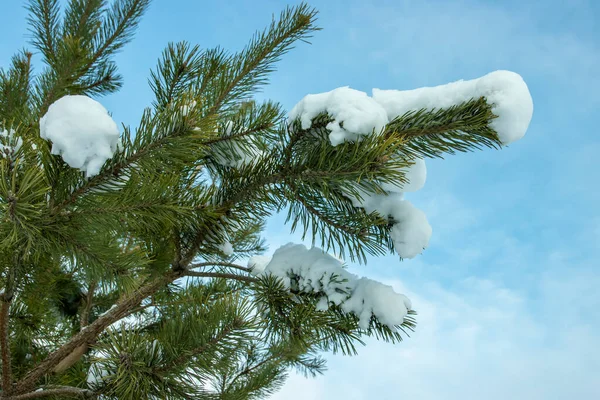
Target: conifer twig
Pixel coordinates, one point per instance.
(186, 356)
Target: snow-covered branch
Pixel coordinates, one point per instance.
(316, 272)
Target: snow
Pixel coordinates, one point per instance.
(11, 145)
(186, 108)
(98, 370)
(107, 311)
(257, 264)
(235, 155)
(504, 90)
(361, 115)
(358, 112)
(81, 131)
(226, 247)
(411, 230)
(314, 271)
(416, 175)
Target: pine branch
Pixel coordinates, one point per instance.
(116, 30)
(432, 133)
(253, 64)
(82, 19)
(248, 370)
(252, 186)
(178, 66)
(119, 25)
(44, 25)
(123, 161)
(103, 176)
(186, 356)
(239, 135)
(321, 216)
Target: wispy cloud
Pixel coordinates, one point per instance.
(478, 340)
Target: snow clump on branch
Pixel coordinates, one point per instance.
(314, 271)
(81, 131)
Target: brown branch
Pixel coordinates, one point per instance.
(61, 391)
(91, 332)
(71, 359)
(76, 354)
(85, 313)
(5, 345)
(6, 298)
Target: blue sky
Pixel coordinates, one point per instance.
(507, 292)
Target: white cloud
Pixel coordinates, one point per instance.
(480, 340)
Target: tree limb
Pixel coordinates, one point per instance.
(66, 391)
(5, 345)
(6, 299)
(91, 332)
(85, 313)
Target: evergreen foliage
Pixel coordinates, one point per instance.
(117, 286)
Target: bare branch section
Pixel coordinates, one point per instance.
(65, 391)
(6, 299)
(91, 332)
(5, 345)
